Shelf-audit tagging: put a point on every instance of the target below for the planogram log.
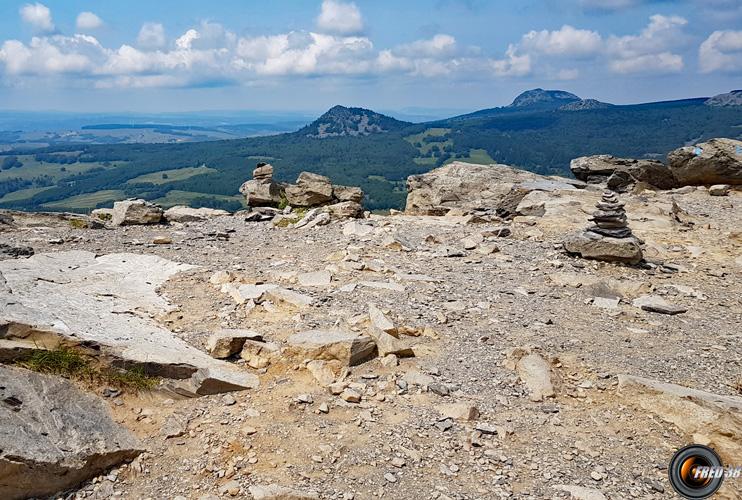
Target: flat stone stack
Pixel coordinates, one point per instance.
(262, 190)
(610, 218)
(609, 238)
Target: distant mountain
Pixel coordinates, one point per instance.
(543, 99)
(340, 121)
(733, 98)
(541, 131)
(584, 104)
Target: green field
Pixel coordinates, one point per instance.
(87, 201)
(479, 156)
(186, 198)
(22, 194)
(176, 174)
(427, 146)
(32, 168)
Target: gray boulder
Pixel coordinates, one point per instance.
(262, 192)
(136, 212)
(718, 161)
(464, 186)
(54, 436)
(347, 193)
(310, 190)
(622, 172)
(180, 213)
(590, 245)
(345, 210)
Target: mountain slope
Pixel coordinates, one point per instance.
(340, 121)
(359, 147)
(543, 99)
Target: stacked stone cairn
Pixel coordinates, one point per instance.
(610, 218)
(609, 238)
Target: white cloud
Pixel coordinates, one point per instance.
(513, 64)
(152, 36)
(37, 15)
(721, 51)
(45, 56)
(440, 45)
(88, 21)
(567, 41)
(651, 50)
(340, 18)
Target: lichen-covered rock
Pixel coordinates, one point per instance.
(718, 161)
(310, 190)
(54, 436)
(136, 212)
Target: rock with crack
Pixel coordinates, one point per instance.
(136, 212)
(228, 342)
(387, 344)
(706, 418)
(106, 302)
(259, 355)
(655, 304)
(347, 347)
(54, 436)
(601, 168)
(310, 190)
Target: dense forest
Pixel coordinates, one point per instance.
(540, 140)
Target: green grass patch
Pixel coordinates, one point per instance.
(32, 168)
(166, 176)
(479, 156)
(75, 365)
(87, 200)
(176, 197)
(23, 194)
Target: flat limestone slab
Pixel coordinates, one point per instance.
(54, 436)
(106, 301)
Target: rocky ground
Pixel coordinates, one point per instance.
(465, 417)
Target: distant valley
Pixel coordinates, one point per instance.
(204, 165)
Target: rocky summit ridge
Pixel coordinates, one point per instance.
(340, 121)
(494, 340)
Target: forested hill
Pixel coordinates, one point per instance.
(541, 131)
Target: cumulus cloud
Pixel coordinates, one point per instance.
(340, 18)
(651, 50)
(721, 51)
(567, 41)
(53, 55)
(37, 15)
(88, 21)
(152, 36)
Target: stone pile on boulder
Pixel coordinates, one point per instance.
(310, 191)
(610, 238)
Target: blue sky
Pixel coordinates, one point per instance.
(188, 55)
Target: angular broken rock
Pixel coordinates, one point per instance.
(580, 492)
(226, 342)
(276, 492)
(54, 436)
(653, 303)
(310, 190)
(354, 228)
(535, 372)
(107, 302)
(459, 411)
(387, 344)
(316, 278)
(260, 354)
(711, 419)
(136, 212)
(347, 347)
(380, 320)
(324, 372)
(290, 297)
(590, 245)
